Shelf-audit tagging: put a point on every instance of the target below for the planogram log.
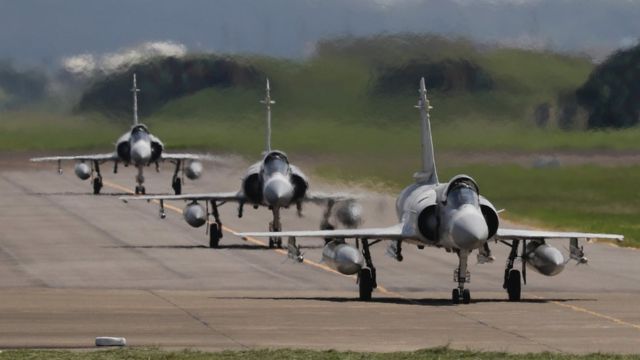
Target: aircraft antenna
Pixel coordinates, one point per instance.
(428, 174)
(135, 92)
(268, 102)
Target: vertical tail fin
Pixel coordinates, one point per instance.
(135, 92)
(428, 173)
(268, 102)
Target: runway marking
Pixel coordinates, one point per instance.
(381, 288)
(593, 313)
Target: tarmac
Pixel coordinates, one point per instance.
(74, 266)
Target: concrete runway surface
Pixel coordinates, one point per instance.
(74, 266)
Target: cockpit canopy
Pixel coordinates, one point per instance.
(462, 190)
(276, 162)
(139, 128)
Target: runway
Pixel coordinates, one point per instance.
(74, 266)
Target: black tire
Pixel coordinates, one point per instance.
(214, 236)
(271, 243)
(466, 296)
(177, 186)
(327, 226)
(97, 185)
(365, 284)
(514, 287)
(142, 190)
(455, 296)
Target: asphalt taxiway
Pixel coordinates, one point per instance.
(74, 266)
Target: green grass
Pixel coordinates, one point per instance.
(578, 198)
(21, 131)
(155, 354)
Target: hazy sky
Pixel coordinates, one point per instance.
(44, 31)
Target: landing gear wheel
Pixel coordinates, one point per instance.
(466, 296)
(455, 296)
(177, 186)
(513, 285)
(97, 185)
(214, 236)
(140, 190)
(365, 282)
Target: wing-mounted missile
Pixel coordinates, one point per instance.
(576, 252)
(394, 250)
(293, 250)
(82, 170)
(544, 258)
(194, 214)
(342, 257)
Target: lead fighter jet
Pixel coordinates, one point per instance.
(137, 147)
(273, 183)
(451, 215)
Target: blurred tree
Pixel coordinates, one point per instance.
(611, 95)
(164, 79)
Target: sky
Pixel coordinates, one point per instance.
(46, 32)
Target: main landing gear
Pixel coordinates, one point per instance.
(215, 228)
(461, 276)
(275, 226)
(367, 276)
(325, 224)
(176, 181)
(97, 180)
(512, 282)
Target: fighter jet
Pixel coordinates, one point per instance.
(450, 215)
(272, 182)
(137, 147)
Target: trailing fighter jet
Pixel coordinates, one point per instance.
(273, 183)
(451, 215)
(137, 147)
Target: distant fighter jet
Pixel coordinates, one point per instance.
(273, 183)
(139, 148)
(449, 215)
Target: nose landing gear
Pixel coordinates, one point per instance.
(461, 276)
(140, 190)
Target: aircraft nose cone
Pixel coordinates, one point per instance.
(469, 228)
(278, 192)
(141, 152)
